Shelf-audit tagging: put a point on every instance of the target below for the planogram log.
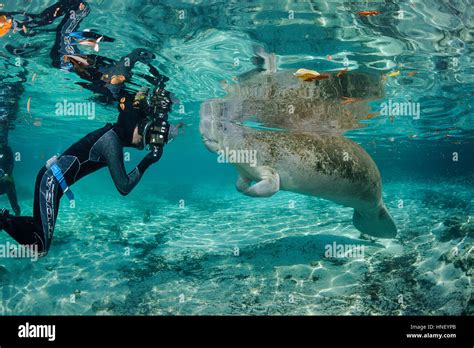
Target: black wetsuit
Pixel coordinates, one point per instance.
(33, 22)
(7, 184)
(65, 54)
(101, 148)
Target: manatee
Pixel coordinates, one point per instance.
(321, 164)
(276, 99)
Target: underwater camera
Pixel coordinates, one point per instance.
(154, 130)
(154, 134)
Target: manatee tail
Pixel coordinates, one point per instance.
(378, 223)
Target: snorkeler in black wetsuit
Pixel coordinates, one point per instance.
(106, 77)
(28, 24)
(101, 148)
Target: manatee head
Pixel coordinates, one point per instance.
(209, 126)
(216, 128)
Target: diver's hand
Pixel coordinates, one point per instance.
(157, 152)
(174, 131)
(152, 157)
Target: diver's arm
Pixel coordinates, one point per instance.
(112, 151)
(124, 182)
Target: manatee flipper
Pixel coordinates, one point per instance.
(268, 185)
(377, 223)
(242, 183)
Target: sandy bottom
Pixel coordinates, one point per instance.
(223, 253)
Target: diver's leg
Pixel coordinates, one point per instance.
(37, 230)
(47, 208)
(64, 48)
(26, 230)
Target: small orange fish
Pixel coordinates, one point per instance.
(371, 115)
(5, 25)
(33, 78)
(368, 13)
(350, 100)
(343, 71)
(56, 11)
(117, 79)
(329, 57)
(28, 104)
(395, 73)
(77, 59)
(320, 77)
(411, 73)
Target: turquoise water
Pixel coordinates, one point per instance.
(185, 241)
